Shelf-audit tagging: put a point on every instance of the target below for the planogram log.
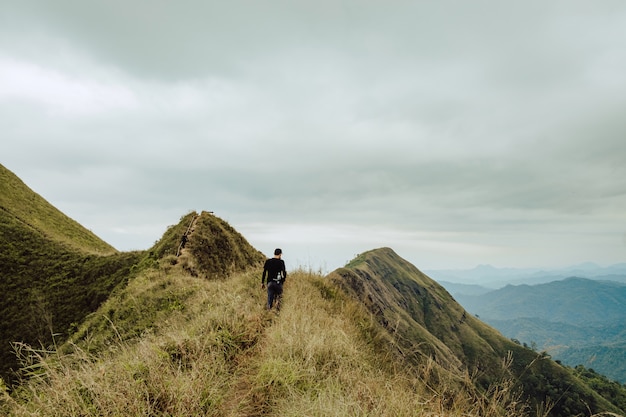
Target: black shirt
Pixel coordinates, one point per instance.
(274, 269)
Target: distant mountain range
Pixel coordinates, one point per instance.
(577, 320)
(492, 277)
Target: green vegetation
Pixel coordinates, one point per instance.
(212, 349)
(53, 272)
(612, 390)
(218, 249)
(607, 358)
(577, 320)
(416, 310)
(39, 217)
(170, 332)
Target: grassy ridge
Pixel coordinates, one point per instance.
(170, 343)
(418, 310)
(188, 335)
(47, 289)
(54, 272)
(212, 349)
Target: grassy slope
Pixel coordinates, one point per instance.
(415, 308)
(37, 215)
(53, 272)
(142, 308)
(212, 349)
(173, 344)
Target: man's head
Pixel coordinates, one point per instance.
(277, 252)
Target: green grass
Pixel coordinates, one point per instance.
(208, 347)
(48, 290)
(153, 333)
(171, 344)
(54, 272)
(36, 214)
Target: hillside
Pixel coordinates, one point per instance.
(215, 351)
(34, 215)
(573, 300)
(214, 251)
(579, 321)
(173, 342)
(182, 331)
(415, 309)
(53, 271)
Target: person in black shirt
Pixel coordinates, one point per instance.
(274, 271)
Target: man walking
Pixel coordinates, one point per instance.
(274, 270)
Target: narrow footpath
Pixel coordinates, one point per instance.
(190, 229)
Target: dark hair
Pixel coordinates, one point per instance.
(278, 251)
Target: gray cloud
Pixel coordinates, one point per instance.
(457, 133)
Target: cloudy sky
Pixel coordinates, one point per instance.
(458, 133)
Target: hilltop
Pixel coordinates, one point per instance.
(182, 330)
(54, 272)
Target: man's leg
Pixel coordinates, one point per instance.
(270, 296)
(278, 296)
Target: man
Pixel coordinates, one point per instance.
(274, 270)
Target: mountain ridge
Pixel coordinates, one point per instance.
(582, 300)
(475, 344)
(169, 332)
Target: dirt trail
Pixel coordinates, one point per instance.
(246, 398)
(188, 233)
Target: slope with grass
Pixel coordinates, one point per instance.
(427, 323)
(180, 333)
(53, 271)
(147, 302)
(578, 320)
(35, 214)
(175, 343)
(213, 350)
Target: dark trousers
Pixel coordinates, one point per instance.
(274, 291)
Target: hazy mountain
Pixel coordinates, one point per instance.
(577, 320)
(575, 301)
(491, 277)
(455, 288)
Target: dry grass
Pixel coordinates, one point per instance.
(224, 355)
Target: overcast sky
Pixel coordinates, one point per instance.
(457, 133)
